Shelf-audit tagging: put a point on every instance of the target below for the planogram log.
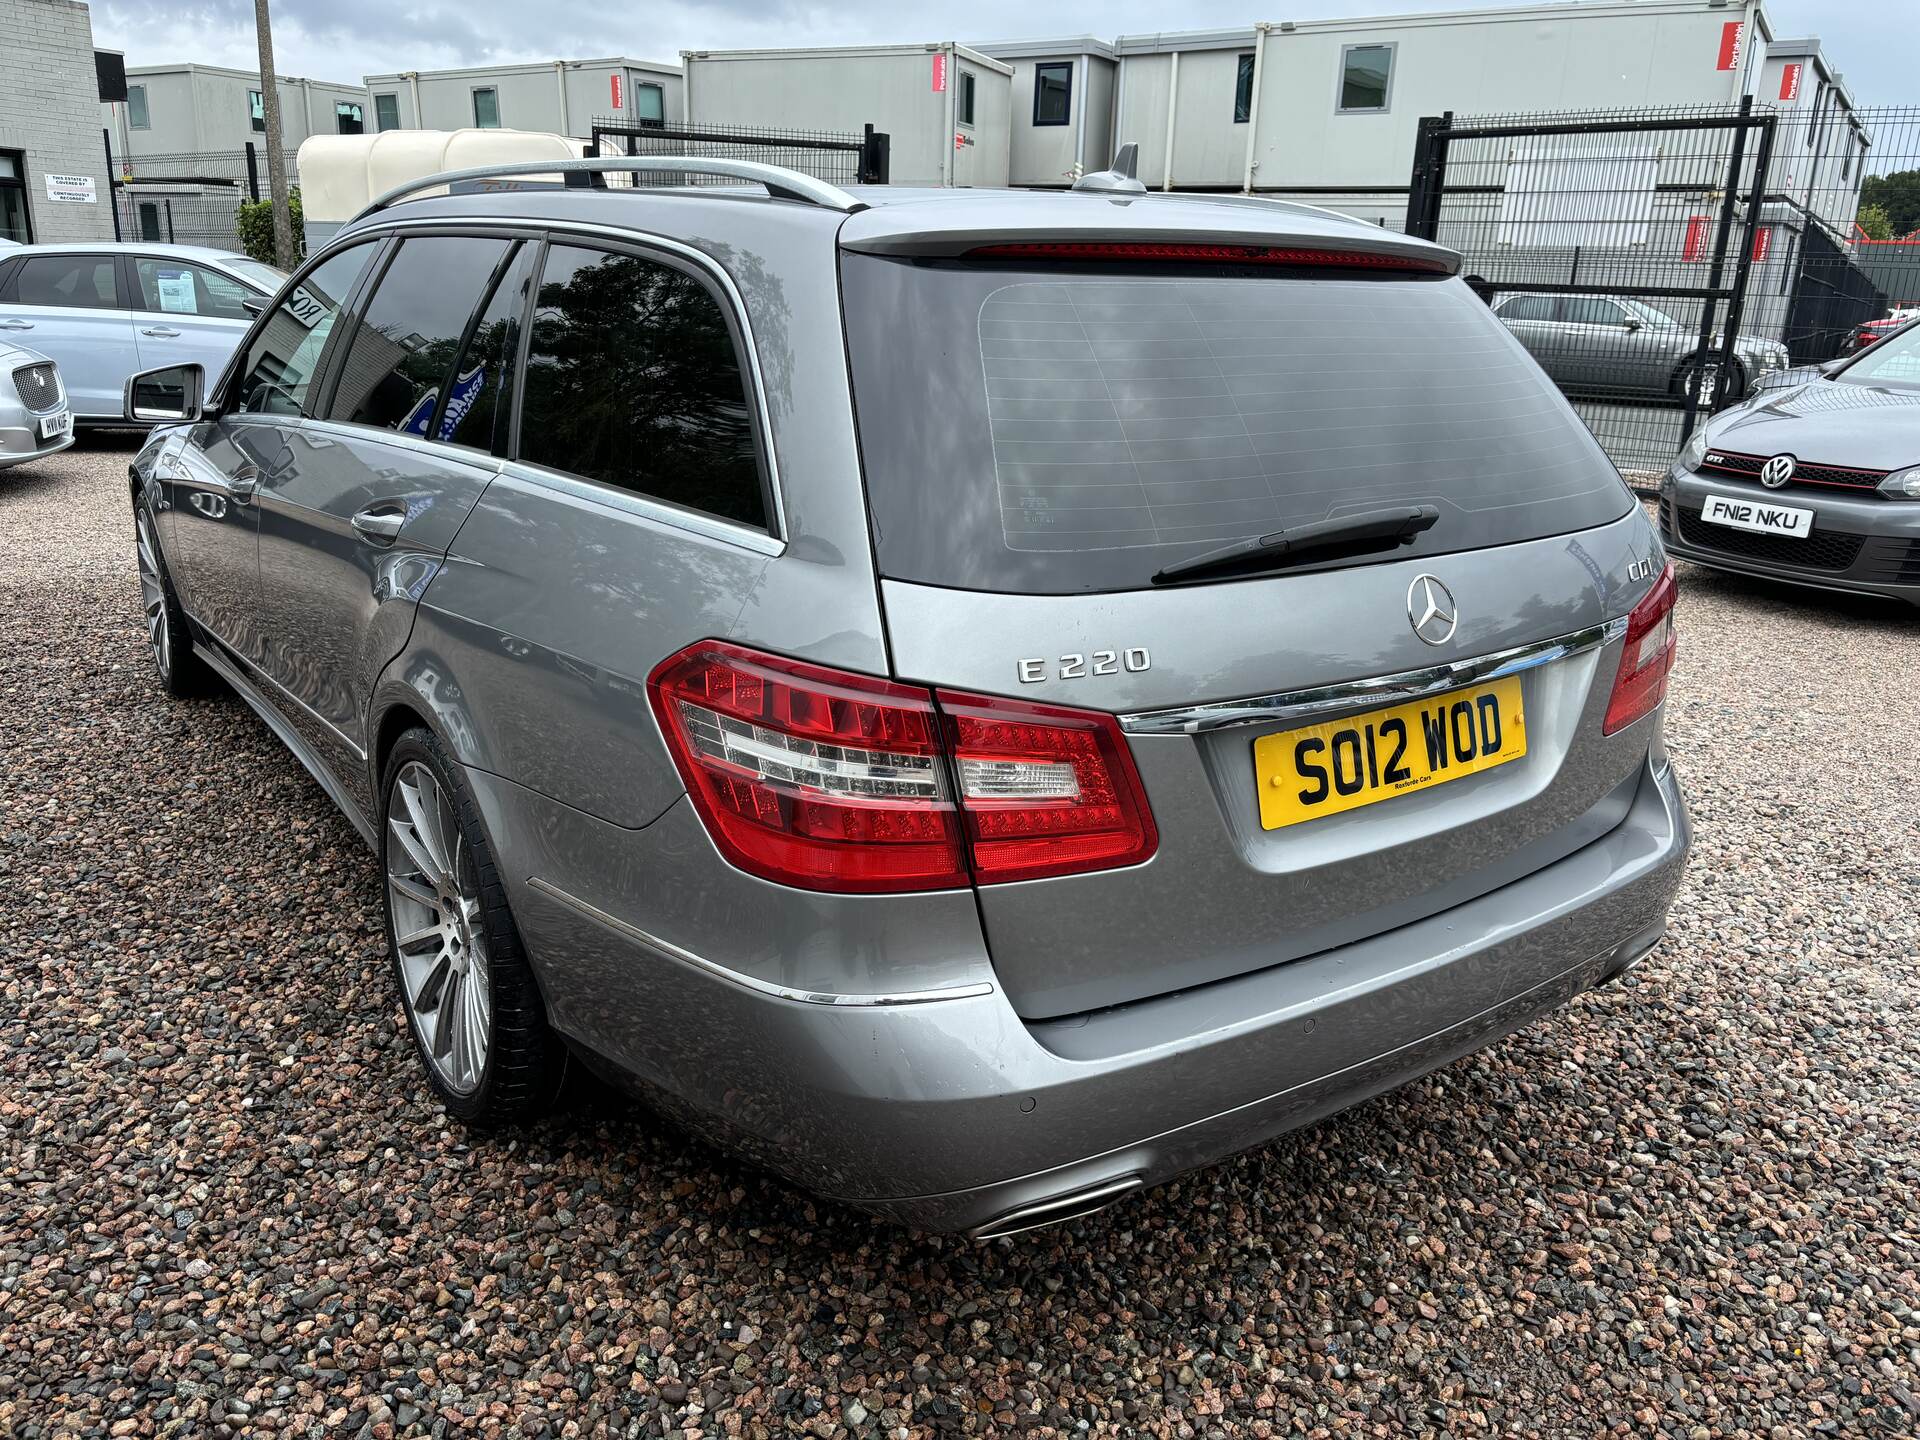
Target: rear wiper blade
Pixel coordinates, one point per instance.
(1360, 534)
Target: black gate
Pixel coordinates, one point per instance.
(1617, 248)
(839, 159)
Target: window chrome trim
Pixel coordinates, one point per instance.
(772, 540)
(749, 982)
(1317, 702)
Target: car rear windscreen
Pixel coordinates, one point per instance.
(1059, 431)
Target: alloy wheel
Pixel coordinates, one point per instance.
(438, 933)
(153, 596)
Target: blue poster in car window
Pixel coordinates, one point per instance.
(421, 415)
(466, 388)
(459, 401)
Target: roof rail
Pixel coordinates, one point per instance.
(781, 182)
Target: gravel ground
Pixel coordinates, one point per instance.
(1686, 1206)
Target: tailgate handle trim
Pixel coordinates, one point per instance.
(1292, 706)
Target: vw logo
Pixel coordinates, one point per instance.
(1431, 611)
(1777, 471)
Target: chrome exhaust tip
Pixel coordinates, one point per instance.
(1056, 1209)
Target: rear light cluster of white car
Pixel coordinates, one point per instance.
(1641, 683)
(828, 780)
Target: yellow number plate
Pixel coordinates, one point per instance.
(1324, 769)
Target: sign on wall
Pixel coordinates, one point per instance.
(1790, 81)
(1731, 34)
(939, 72)
(72, 190)
(613, 82)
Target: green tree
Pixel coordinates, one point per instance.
(1899, 195)
(1873, 222)
(255, 222)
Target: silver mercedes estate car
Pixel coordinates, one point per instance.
(978, 700)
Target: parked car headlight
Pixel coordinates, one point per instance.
(1903, 484)
(1695, 450)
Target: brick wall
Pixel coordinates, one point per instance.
(50, 108)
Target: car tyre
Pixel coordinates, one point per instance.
(183, 674)
(1694, 371)
(475, 1011)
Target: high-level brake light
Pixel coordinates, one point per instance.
(1183, 252)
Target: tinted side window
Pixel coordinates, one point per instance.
(403, 341)
(1528, 307)
(1591, 310)
(182, 289)
(286, 351)
(632, 380)
(82, 281)
(476, 412)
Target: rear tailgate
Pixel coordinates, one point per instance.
(1223, 894)
(1041, 441)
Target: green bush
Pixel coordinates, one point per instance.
(1873, 222)
(255, 221)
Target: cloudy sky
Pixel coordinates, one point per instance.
(1875, 43)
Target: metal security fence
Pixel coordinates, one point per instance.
(189, 198)
(1658, 262)
(1617, 247)
(837, 157)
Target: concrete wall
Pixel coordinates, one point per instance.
(889, 87)
(529, 96)
(49, 109)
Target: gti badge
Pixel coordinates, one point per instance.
(1431, 611)
(1777, 471)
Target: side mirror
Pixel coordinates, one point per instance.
(1633, 325)
(170, 395)
(254, 304)
(1834, 367)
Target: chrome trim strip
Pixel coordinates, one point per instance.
(1292, 706)
(712, 526)
(748, 982)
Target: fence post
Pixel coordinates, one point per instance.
(113, 196)
(1743, 268)
(253, 174)
(876, 157)
(1690, 412)
(1429, 176)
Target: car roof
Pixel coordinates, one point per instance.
(203, 253)
(912, 219)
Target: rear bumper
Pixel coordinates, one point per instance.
(950, 1114)
(1861, 545)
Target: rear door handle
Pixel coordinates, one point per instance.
(16, 324)
(165, 332)
(380, 524)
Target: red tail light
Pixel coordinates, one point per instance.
(1181, 253)
(1045, 790)
(1642, 681)
(832, 781)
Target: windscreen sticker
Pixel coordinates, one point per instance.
(174, 289)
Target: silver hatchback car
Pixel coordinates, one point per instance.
(981, 701)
